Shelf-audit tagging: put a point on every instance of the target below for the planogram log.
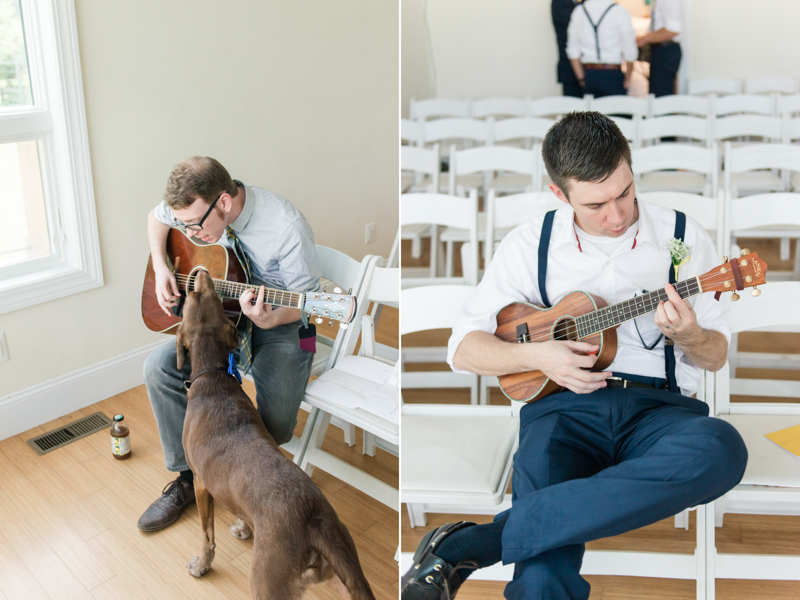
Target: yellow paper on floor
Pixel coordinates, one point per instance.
(788, 439)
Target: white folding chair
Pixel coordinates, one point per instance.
(698, 169)
(448, 211)
(714, 85)
(412, 132)
(422, 110)
(515, 168)
(456, 458)
(771, 482)
(769, 129)
(528, 130)
(752, 104)
(422, 166)
(465, 133)
(555, 106)
(358, 390)
(791, 134)
(744, 171)
(697, 129)
(709, 212)
(699, 106)
(500, 107)
(619, 105)
(629, 128)
(769, 85)
(788, 105)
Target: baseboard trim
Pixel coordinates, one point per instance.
(57, 397)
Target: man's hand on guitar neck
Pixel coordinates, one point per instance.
(263, 315)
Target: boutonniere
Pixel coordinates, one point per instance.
(680, 253)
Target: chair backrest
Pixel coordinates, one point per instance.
(714, 85)
(706, 211)
(791, 129)
(677, 156)
(489, 158)
(699, 106)
(788, 105)
(759, 156)
(768, 85)
(554, 106)
(522, 127)
(629, 128)
(685, 126)
(509, 211)
(619, 105)
(500, 107)
(762, 210)
(422, 161)
(421, 110)
(432, 306)
(744, 103)
(459, 129)
(768, 128)
(412, 132)
(450, 211)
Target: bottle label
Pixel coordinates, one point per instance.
(121, 446)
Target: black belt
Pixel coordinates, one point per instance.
(667, 43)
(624, 380)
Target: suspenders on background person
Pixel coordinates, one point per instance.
(596, 26)
(544, 247)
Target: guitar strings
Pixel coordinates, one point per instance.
(231, 286)
(543, 334)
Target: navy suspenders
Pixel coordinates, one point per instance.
(596, 36)
(544, 247)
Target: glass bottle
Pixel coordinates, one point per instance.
(120, 439)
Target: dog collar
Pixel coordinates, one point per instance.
(188, 383)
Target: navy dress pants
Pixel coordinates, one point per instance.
(604, 82)
(665, 59)
(596, 465)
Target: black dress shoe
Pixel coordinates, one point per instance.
(430, 577)
(162, 513)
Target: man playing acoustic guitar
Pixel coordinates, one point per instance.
(275, 243)
(617, 449)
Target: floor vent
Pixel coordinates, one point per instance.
(53, 440)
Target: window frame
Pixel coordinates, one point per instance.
(57, 121)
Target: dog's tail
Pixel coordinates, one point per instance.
(332, 540)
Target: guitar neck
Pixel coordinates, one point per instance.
(232, 290)
(616, 314)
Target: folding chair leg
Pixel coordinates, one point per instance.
(315, 443)
(305, 437)
(682, 520)
(434, 250)
(349, 434)
(720, 504)
(797, 259)
(369, 444)
(416, 515)
(416, 246)
(450, 260)
(785, 251)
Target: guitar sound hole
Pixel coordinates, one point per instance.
(565, 329)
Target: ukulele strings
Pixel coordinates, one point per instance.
(543, 334)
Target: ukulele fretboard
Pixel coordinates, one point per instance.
(611, 316)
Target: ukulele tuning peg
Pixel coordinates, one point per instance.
(756, 291)
(745, 251)
(735, 296)
(724, 259)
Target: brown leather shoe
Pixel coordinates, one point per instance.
(162, 513)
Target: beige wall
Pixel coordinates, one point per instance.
(298, 97)
(507, 47)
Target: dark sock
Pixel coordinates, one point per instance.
(480, 543)
(188, 476)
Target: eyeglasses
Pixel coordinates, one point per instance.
(199, 225)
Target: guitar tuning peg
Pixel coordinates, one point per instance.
(337, 290)
(756, 291)
(745, 251)
(324, 289)
(735, 296)
(350, 291)
(330, 322)
(318, 320)
(346, 325)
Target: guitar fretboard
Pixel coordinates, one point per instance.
(232, 290)
(611, 316)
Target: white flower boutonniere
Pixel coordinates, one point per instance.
(680, 253)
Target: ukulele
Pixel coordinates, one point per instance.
(186, 258)
(580, 316)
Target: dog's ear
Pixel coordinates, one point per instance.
(233, 337)
(180, 346)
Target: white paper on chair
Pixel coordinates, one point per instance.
(359, 382)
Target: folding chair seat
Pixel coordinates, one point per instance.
(714, 85)
(697, 174)
(500, 107)
(770, 85)
(771, 481)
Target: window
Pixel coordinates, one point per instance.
(49, 245)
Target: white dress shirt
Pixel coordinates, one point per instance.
(276, 237)
(668, 14)
(615, 34)
(626, 272)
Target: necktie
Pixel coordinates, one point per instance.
(246, 329)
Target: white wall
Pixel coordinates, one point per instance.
(508, 47)
(300, 98)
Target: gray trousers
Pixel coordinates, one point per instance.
(280, 371)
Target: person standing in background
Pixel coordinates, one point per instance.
(666, 23)
(601, 44)
(562, 11)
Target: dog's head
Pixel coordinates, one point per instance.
(204, 322)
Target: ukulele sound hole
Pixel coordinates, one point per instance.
(565, 329)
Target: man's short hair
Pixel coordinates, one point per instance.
(584, 146)
(197, 177)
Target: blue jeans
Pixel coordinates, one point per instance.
(280, 371)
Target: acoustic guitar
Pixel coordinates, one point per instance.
(584, 317)
(186, 258)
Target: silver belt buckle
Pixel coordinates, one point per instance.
(624, 381)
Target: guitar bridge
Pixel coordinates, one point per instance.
(522, 333)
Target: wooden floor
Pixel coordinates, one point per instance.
(752, 534)
(68, 519)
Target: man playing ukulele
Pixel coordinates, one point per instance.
(617, 449)
(275, 242)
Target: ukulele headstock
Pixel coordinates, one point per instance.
(745, 271)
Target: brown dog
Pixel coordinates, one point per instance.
(299, 540)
